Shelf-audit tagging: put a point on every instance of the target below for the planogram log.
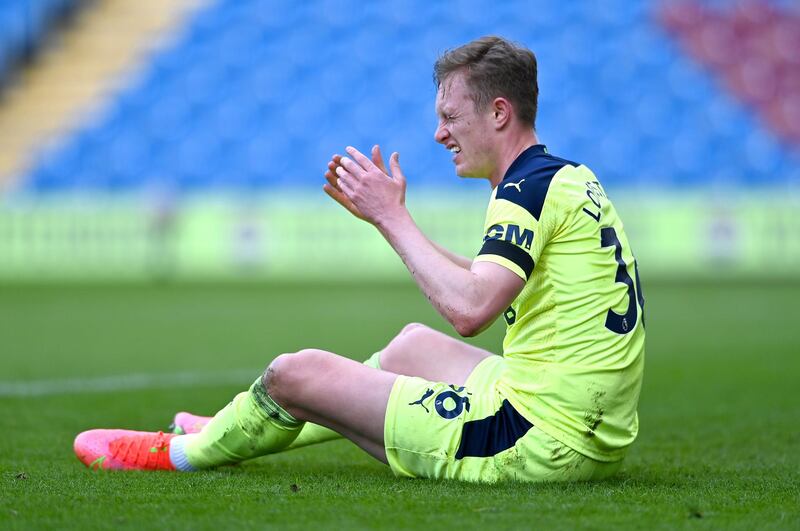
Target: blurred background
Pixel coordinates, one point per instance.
(164, 235)
(187, 139)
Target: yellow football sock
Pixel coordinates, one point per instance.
(253, 424)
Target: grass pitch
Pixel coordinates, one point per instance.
(718, 446)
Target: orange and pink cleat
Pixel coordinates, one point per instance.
(124, 450)
(185, 423)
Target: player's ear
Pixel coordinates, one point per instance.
(501, 112)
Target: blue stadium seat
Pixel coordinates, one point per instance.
(257, 94)
(24, 24)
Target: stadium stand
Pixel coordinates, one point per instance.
(754, 49)
(57, 91)
(24, 24)
(187, 138)
(257, 94)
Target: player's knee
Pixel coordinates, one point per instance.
(412, 336)
(406, 344)
(288, 372)
(273, 374)
(411, 327)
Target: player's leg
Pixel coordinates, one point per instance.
(427, 353)
(424, 428)
(323, 388)
(187, 423)
(310, 385)
(416, 351)
(252, 424)
(335, 392)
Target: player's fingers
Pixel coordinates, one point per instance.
(336, 195)
(350, 167)
(330, 175)
(331, 191)
(346, 187)
(360, 158)
(342, 171)
(333, 165)
(336, 160)
(377, 159)
(332, 179)
(397, 173)
(339, 197)
(345, 176)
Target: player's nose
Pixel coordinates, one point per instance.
(441, 134)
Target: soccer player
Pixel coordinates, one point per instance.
(555, 263)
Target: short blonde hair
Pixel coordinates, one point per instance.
(494, 67)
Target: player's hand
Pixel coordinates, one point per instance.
(332, 186)
(376, 195)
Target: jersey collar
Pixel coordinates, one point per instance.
(525, 156)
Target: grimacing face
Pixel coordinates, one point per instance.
(465, 132)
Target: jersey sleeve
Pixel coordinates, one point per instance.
(513, 237)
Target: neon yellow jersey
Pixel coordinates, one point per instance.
(574, 342)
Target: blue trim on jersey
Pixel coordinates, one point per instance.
(492, 435)
(537, 167)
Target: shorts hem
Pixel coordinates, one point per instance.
(389, 445)
(565, 438)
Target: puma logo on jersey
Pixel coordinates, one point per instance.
(427, 395)
(518, 185)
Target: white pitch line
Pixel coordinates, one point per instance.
(124, 382)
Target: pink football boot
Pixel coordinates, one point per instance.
(184, 423)
(124, 450)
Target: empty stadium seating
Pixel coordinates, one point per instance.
(23, 26)
(256, 94)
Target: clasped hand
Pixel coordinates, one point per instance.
(365, 188)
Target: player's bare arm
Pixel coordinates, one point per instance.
(332, 189)
(470, 299)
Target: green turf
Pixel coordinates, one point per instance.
(718, 448)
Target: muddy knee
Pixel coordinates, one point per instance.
(284, 377)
